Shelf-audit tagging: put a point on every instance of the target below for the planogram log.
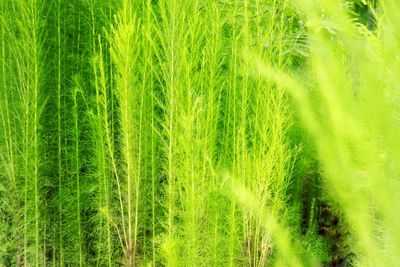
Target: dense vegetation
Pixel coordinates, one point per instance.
(199, 133)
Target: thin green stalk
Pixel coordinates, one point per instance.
(77, 174)
(103, 116)
(59, 139)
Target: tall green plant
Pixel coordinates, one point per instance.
(26, 50)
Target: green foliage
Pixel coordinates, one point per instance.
(198, 133)
(348, 106)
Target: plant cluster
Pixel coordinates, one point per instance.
(199, 133)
